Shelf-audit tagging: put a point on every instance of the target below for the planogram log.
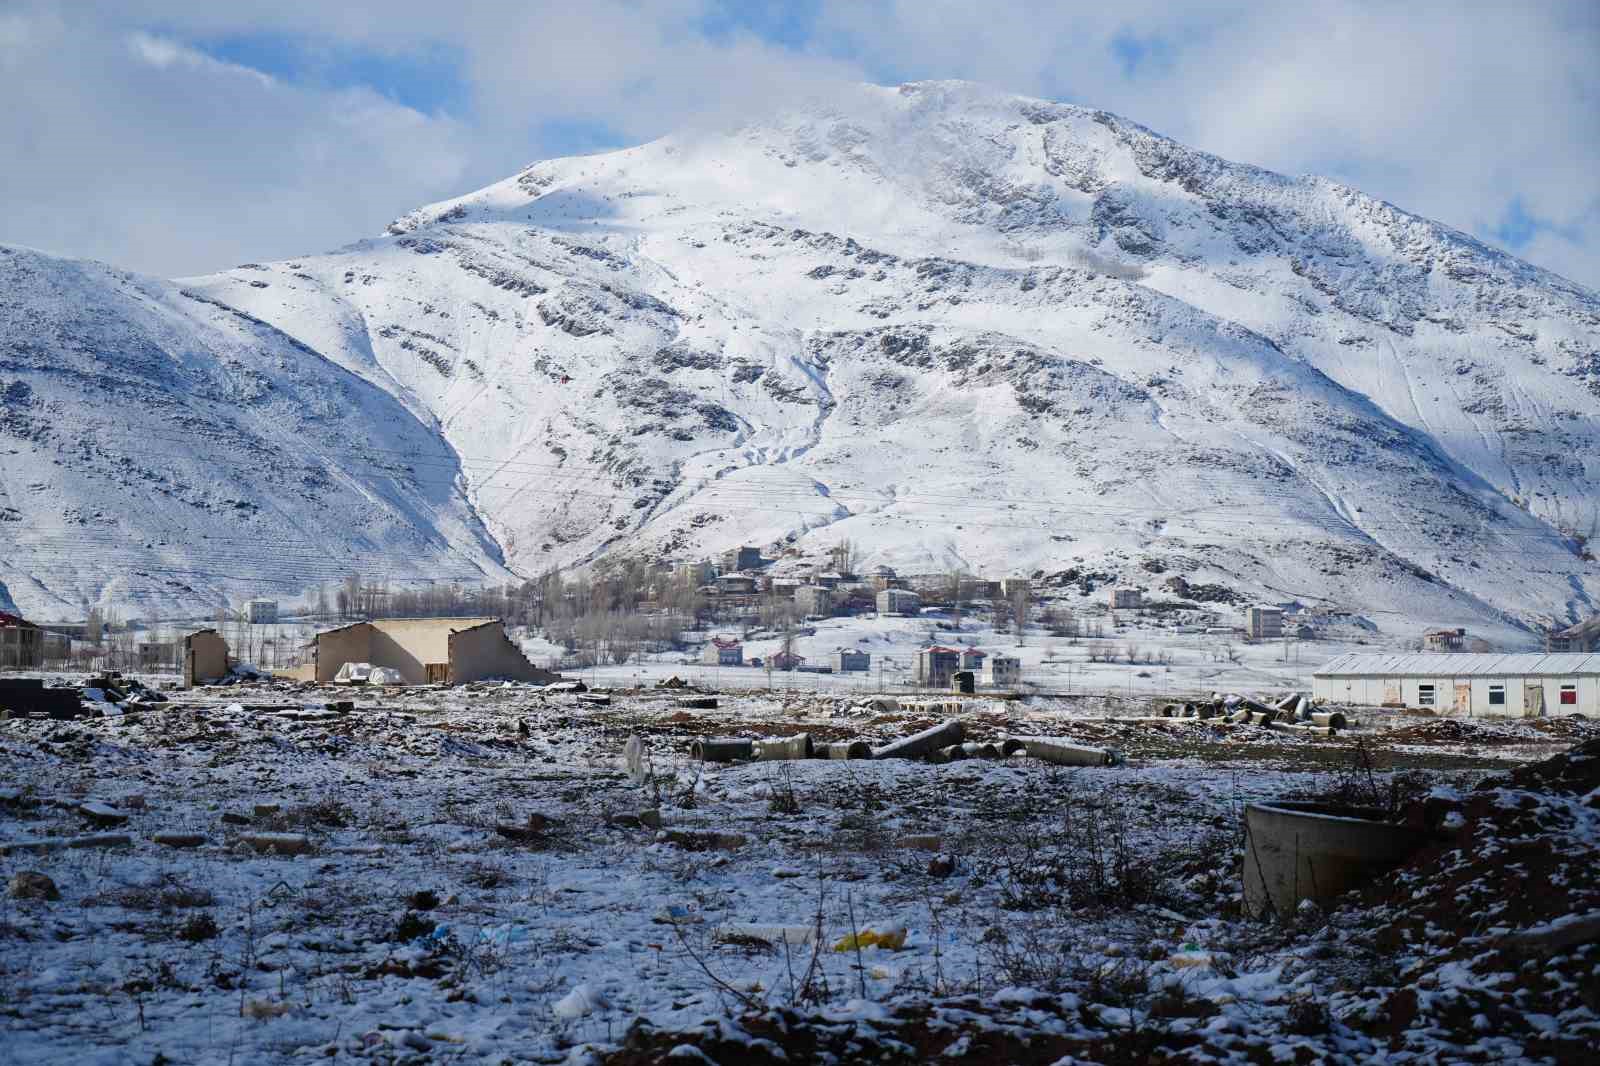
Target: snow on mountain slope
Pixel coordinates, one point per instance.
(970, 329)
(162, 453)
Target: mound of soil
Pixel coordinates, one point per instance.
(1494, 931)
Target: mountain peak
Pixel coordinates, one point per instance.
(963, 329)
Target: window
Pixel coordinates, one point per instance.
(1569, 695)
(1497, 695)
(1424, 695)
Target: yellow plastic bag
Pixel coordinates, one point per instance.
(890, 940)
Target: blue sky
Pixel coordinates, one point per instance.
(1482, 116)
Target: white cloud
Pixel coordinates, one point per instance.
(144, 152)
(1453, 111)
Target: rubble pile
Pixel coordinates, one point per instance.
(1494, 932)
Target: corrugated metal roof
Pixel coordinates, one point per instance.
(1448, 664)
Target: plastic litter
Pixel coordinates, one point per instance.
(889, 940)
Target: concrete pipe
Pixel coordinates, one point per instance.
(1171, 710)
(722, 749)
(1331, 719)
(954, 752)
(1317, 851)
(924, 743)
(1011, 745)
(793, 935)
(1065, 753)
(697, 703)
(849, 749)
(1287, 703)
(1240, 717)
(781, 748)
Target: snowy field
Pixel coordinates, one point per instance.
(475, 877)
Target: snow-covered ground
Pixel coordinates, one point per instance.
(479, 886)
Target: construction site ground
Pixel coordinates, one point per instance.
(473, 874)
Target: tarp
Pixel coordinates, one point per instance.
(353, 674)
(367, 674)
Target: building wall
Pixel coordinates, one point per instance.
(20, 647)
(486, 651)
(352, 644)
(205, 657)
(813, 600)
(895, 601)
(1406, 691)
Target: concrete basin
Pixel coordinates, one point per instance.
(1317, 851)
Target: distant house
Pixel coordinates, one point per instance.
(1126, 599)
(829, 580)
(723, 652)
(1002, 670)
(814, 600)
(1010, 586)
(745, 558)
(734, 584)
(898, 601)
(972, 658)
(935, 666)
(883, 577)
(849, 660)
(157, 654)
(21, 645)
(1583, 637)
(785, 661)
(261, 612)
(1264, 623)
(1444, 640)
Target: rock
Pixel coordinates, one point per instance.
(623, 821)
(31, 884)
(102, 814)
(651, 818)
(702, 841)
(178, 840)
(132, 803)
(941, 866)
(231, 818)
(922, 842)
(534, 829)
(263, 810)
(279, 843)
(100, 840)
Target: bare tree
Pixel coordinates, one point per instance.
(1019, 612)
(845, 557)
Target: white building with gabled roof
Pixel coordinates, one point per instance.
(1504, 685)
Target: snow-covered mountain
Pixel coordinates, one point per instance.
(960, 328)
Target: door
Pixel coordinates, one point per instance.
(1533, 699)
(438, 673)
(1463, 704)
